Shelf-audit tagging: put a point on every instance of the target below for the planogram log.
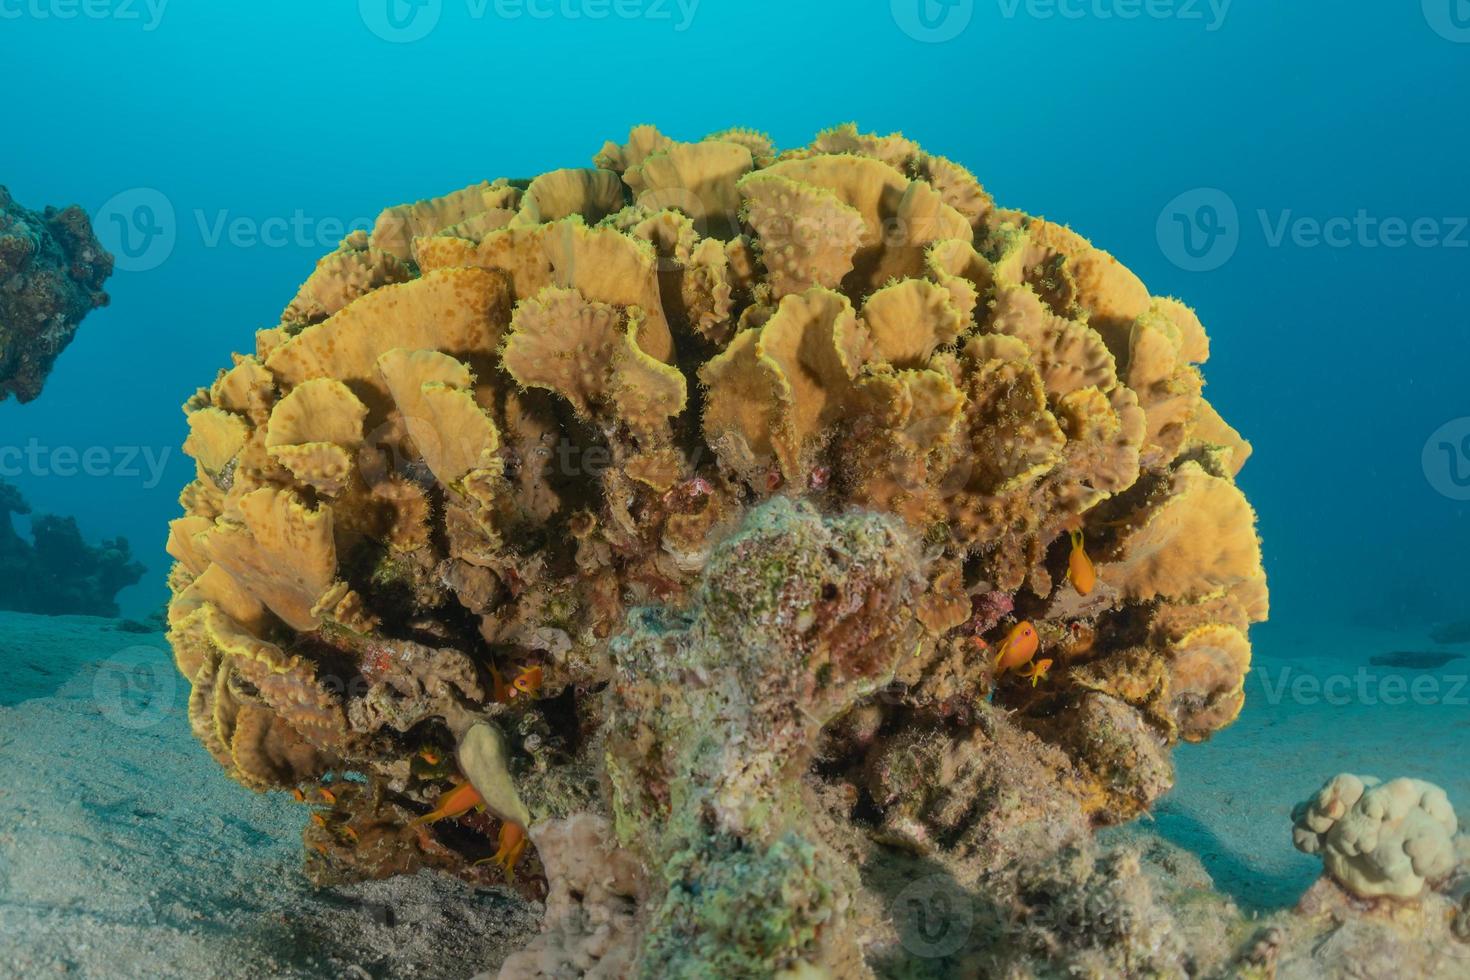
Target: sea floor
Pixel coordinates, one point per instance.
(1315, 707)
(125, 853)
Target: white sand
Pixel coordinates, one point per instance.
(125, 852)
(1314, 708)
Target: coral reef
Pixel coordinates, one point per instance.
(1332, 933)
(57, 573)
(51, 274)
(590, 927)
(1393, 898)
(693, 493)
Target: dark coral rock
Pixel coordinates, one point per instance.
(59, 574)
(51, 273)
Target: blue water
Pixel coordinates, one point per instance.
(267, 127)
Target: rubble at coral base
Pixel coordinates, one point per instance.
(123, 852)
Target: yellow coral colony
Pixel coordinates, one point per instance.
(485, 430)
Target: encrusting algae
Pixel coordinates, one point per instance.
(695, 509)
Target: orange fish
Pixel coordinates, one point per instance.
(1020, 645)
(453, 803)
(528, 682)
(1079, 567)
(1037, 671)
(327, 795)
(512, 846)
(430, 756)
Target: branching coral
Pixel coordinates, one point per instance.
(517, 432)
(51, 275)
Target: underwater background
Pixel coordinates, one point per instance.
(255, 134)
(1295, 172)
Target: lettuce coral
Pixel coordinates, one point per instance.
(51, 274)
(751, 457)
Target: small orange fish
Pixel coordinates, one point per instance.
(298, 796)
(328, 796)
(430, 756)
(349, 833)
(1020, 645)
(1037, 671)
(1079, 567)
(528, 682)
(452, 803)
(319, 820)
(512, 846)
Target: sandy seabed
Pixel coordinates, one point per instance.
(125, 852)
